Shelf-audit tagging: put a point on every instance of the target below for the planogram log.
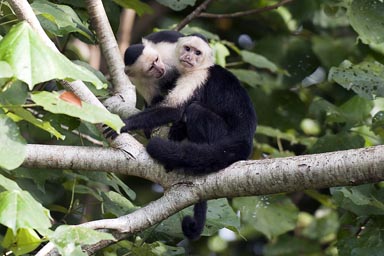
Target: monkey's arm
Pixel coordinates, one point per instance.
(149, 119)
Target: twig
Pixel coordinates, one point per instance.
(194, 14)
(245, 13)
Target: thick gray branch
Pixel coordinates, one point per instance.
(256, 177)
(244, 178)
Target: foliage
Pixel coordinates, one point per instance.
(314, 70)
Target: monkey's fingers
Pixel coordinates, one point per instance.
(109, 133)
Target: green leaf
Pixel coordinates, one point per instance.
(18, 209)
(366, 79)
(219, 215)
(12, 146)
(221, 52)
(271, 215)
(140, 247)
(68, 239)
(25, 240)
(322, 227)
(334, 142)
(87, 112)
(361, 200)
(378, 123)
(250, 77)
(366, 17)
(354, 112)
(33, 62)
(8, 184)
(177, 5)
(139, 7)
(117, 204)
(5, 70)
(259, 61)
(27, 116)
(59, 19)
(16, 94)
(361, 236)
(287, 245)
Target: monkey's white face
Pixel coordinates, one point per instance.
(149, 65)
(194, 53)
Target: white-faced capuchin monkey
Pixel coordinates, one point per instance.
(218, 117)
(151, 65)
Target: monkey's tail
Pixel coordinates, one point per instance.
(198, 157)
(193, 226)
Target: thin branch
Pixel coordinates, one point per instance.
(193, 15)
(245, 13)
(127, 19)
(110, 49)
(24, 11)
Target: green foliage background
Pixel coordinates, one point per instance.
(315, 73)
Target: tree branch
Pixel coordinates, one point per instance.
(110, 49)
(245, 13)
(243, 178)
(193, 15)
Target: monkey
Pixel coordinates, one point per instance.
(219, 119)
(151, 66)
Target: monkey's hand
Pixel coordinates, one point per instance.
(112, 134)
(109, 132)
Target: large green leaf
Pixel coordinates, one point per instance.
(33, 62)
(18, 209)
(250, 77)
(12, 146)
(24, 114)
(68, 239)
(87, 112)
(259, 61)
(366, 17)
(25, 240)
(5, 70)
(366, 78)
(60, 19)
(272, 215)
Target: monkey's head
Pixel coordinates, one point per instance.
(194, 53)
(143, 61)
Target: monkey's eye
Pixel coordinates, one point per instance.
(187, 48)
(198, 53)
(156, 60)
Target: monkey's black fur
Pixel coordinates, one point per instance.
(220, 110)
(132, 53)
(165, 36)
(218, 121)
(193, 226)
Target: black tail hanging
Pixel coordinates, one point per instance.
(193, 226)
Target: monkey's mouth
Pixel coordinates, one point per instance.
(160, 74)
(186, 63)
